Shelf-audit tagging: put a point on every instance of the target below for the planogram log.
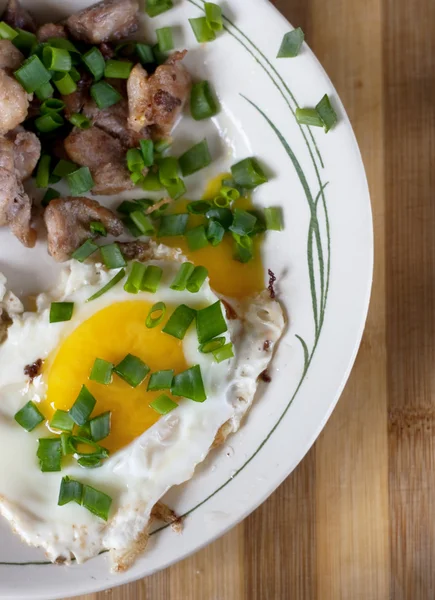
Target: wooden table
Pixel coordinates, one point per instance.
(356, 520)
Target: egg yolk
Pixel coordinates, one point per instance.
(227, 275)
(111, 334)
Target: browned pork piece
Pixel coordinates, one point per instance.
(106, 21)
(51, 30)
(15, 205)
(27, 150)
(17, 16)
(68, 220)
(156, 101)
(14, 103)
(105, 157)
(10, 57)
(136, 250)
(74, 102)
(113, 120)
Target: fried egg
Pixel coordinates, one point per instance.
(149, 453)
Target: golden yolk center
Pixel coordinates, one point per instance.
(111, 334)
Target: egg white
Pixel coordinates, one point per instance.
(165, 455)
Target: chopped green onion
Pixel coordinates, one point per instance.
(61, 311)
(196, 238)
(137, 177)
(159, 310)
(248, 174)
(222, 202)
(144, 203)
(62, 420)
(165, 39)
(142, 222)
(135, 160)
(157, 7)
(197, 279)
(7, 32)
(203, 32)
(48, 122)
(274, 218)
(77, 441)
(134, 231)
(56, 59)
(291, 44)
(52, 104)
(70, 491)
(49, 195)
(195, 159)
(49, 454)
(180, 321)
(126, 207)
(134, 280)
(162, 380)
(243, 222)
(101, 371)
(85, 432)
(46, 90)
(213, 14)
(75, 74)
(176, 190)
(97, 228)
(80, 181)
(210, 322)
(145, 54)
(163, 404)
(189, 384)
(203, 104)
(64, 44)
(223, 353)
(100, 426)
(199, 207)
(80, 121)
(169, 176)
(215, 232)
(118, 277)
(29, 416)
(182, 277)
(64, 168)
(260, 224)
(89, 462)
(84, 251)
(95, 62)
(82, 408)
(222, 215)
(24, 41)
(132, 370)
(96, 502)
(147, 149)
(38, 49)
(171, 225)
(162, 145)
(104, 94)
(43, 171)
(326, 113)
(151, 279)
(112, 256)
(308, 116)
(64, 83)
(118, 69)
(243, 248)
(212, 345)
(229, 193)
(65, 440)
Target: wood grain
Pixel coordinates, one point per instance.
(356, 520)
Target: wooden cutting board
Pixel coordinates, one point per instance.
(356, 520)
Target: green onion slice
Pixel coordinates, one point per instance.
(224, 353)
(32, 74)
(189, 384)
(65, 441)
(104, 94)
(43, 171)
(64, 168)
(163, 404)
(50, 194)
(243, 248)
(62, 420)
(162, 380)
(82, 408)
(112, 256)
(132, 370)
(213, 14)
(243, 222)
(168, 171)
(29, 416)
(212, 345)
(215, 232)
(203, 32)
(274, 219)
(210, 322)
(199, 207)
(96, 502)
(156, 315)
(327, 113)
(143, 223)
(84, 251)
(46, 90)
(80, 181)
(24, 41)
(308, 116)
(145, 54)
(118, 69)
(118, 277)
(197, 238)
(157, 7)
(52, 104)
(203, 104)
(151, 279)
(195, 159)
(64, 83)
(70, 491)
(95, 62)
(56, 59)
(135, 160)
(291, 44)
(134, 280)
(197, 279)
(7, 32)
(171, 225)
(61, 311)
(89, 462)
(97, 228)
(248, 173)
(49, 122)
(97, 451)
(80, 121)
(229, 193)
(224, 216)
(222, 202)
(49, 454)
(182, 277)
(101, 371)
(147, 150)
(180, 321)
(165, 39)
(100, 426)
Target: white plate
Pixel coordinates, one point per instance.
(327, 312)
